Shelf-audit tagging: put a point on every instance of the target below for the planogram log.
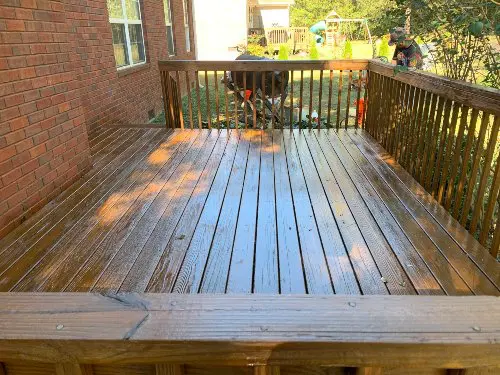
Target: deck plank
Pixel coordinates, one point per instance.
(339, 263)
(165, 247)
(191, 272)
(240, 279)
(316, 272)
(53, 255)
(217, 266)
(450, 280)
(161, 209)
(244, 211)
(469, 272)
(66, 216)
(369, 210)
(138, 200)
(290, 260)
(266, 274)
(360, 234)
(468, 243)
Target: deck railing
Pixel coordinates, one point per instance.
(445, 133)
(297, 38)
(294, 90)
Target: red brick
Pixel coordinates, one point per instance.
(16, 62)
(18, 123)
(27, 73)
(24, 14)
(13, 100)
(7, 153)
(17, 198)
(15, 137)
(9, 113)
(38, 150)
(14, 25)
(8, 191)
(11, 37)
(28, 4)
(27, 108)
(7, 12)
(12, 176)
(24, 145)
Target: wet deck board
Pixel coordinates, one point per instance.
(311, 212)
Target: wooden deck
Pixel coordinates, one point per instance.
(289, 212)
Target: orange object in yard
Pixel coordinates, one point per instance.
(361, 110)
(248, 94)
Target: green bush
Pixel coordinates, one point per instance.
(347, 52)
(284, 53)
(384, 47)
(255, 49)
(313, 52)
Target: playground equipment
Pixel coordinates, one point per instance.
(337, 29)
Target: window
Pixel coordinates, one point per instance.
(186, 26)
(170, 30)
(126, 29)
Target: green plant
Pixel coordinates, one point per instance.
(347, 51)
(284, 52)
(313, 51)
(254, 45)
(383, 50)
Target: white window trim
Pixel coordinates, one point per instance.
(125, 21)
(171, 24)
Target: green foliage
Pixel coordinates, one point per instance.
(254, 46)
(384, 50)
(313, 51)
(347, 51)
(284, 52)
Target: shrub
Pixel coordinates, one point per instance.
(347, 52)
(255, 46)
(313, 52)
(284, 53)
(383, 50)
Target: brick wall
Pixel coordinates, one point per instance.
(58, 81)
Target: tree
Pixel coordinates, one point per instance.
(460, 34)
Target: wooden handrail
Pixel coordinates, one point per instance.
(228, 330)
(445, 133)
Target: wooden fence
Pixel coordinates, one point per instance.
(445, 133)
(297, 38)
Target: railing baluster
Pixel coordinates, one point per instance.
(465, 162)
(245, 110)
(320, 97)
(190, 104)
(478, 153)
(427, 144)
(235, 93)
(254, 99)
(495, 244)
(311, 84)
(485, 174)
(264, 120)
(400, 123)
(179, 99)
(226, 99)
(163, 77)
(490, 207)
(423, 133)
(282, 101)
(447, 156)
(440, 150)
(348, 101)
(330, 89)
(418, 129)
(207, 92)
(301, 97)
(366, 98)
(170, 101)
(292, 112)
(273, 82)
(339, 99)
(198, 101)
(216, 84)
(358, 98)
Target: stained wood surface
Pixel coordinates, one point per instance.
(362, 331)
(245, 211)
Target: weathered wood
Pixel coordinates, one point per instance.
(330, 87)
(363, 331)
(320, 99)
(250, 66)
(266, 370)
(348, 99)
(179, 99)
(339, 98)
(207, 94)
(169, 369)
(480, 97)
(198, 99)
(216, 87)
(73, 369)
(311, 84)
(190, 104)
(226, 100)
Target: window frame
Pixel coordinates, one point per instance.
(125, 21)
(187, 25)
(171, 25)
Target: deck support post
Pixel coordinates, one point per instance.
(2, 369)
(169, 369)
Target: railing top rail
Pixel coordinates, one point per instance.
(263, 65)
(476, 96)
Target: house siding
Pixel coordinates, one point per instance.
(58, 81)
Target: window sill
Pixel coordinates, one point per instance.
(132, 69)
